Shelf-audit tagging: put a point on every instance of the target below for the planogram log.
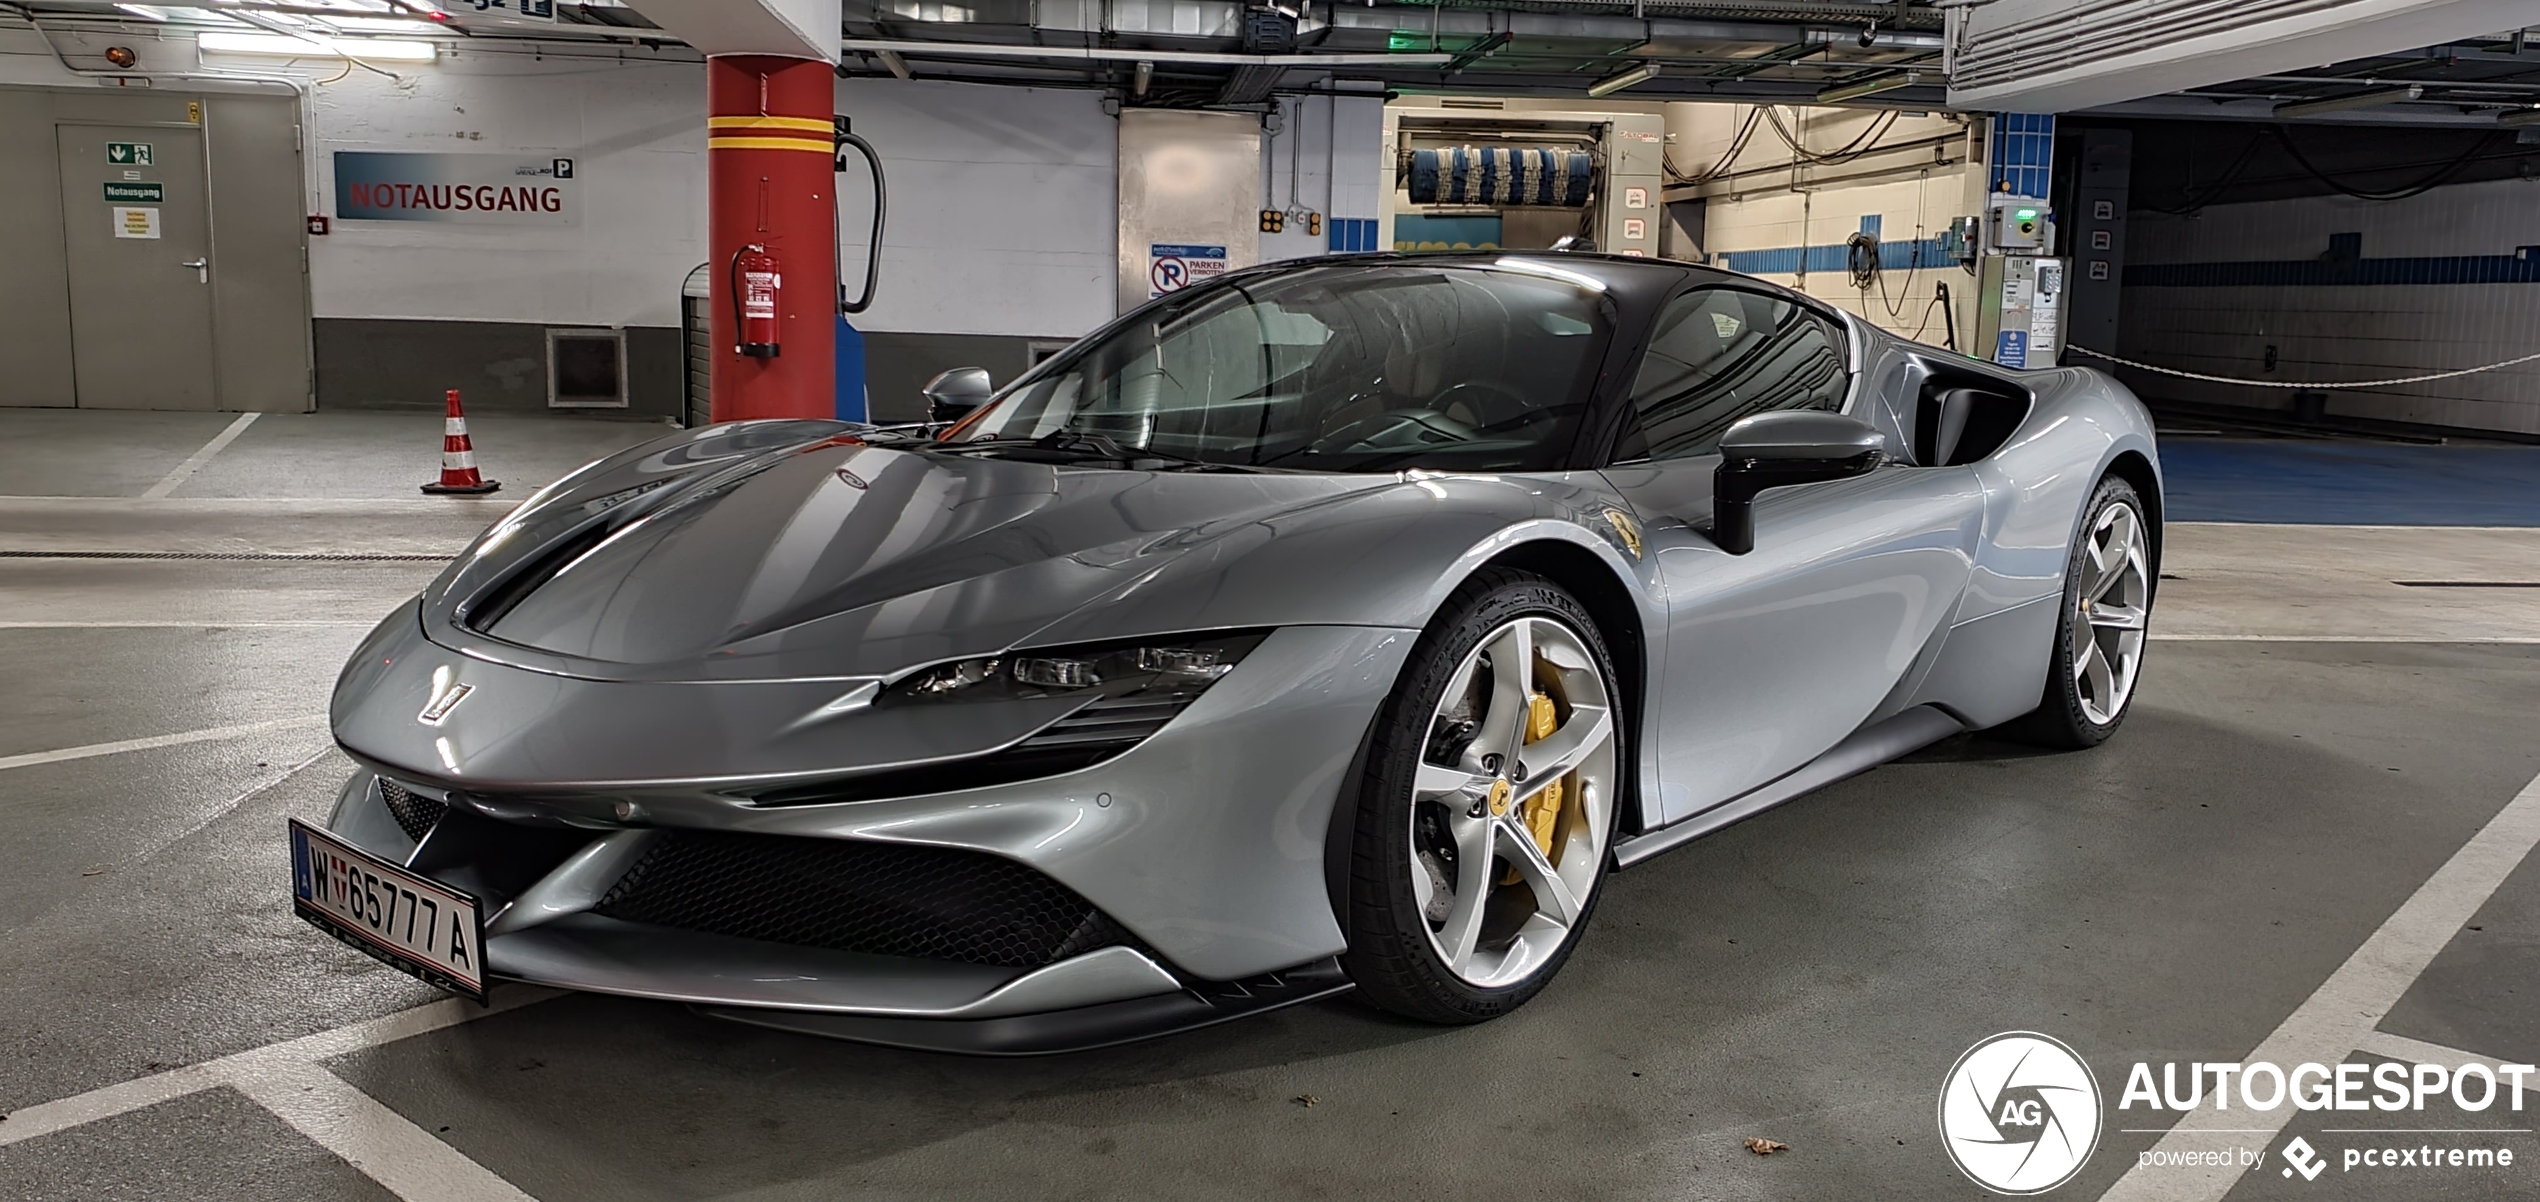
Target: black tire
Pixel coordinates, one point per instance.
(1390, 956)
(2058, 721)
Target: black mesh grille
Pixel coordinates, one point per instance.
(935, 903)
(415, 813)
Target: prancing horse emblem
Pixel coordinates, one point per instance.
(442, 703)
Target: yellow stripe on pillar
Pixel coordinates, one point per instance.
(823, 146)
(813, 124)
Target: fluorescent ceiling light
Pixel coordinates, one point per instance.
(375, 25)
(145, 12)
(1866, 87)
(1547, 271)
(386, 50)
(1616, 83)
(2356, 100)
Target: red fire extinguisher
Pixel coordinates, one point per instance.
(756, 281)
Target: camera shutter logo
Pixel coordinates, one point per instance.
(2019, 1113)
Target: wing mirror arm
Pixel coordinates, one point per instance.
(1771, 450)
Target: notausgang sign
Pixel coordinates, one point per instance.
(483, 189)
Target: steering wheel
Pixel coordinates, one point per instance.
(1489, 406)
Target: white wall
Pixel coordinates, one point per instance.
(1002, 207)
(1764, 199)
(2336, 332)
(1336, 144)
(1002, 219)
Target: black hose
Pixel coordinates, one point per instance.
(873, 248)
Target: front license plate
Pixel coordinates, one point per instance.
(412, 924)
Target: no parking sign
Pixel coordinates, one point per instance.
(1173, 266)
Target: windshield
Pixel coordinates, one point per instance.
(1367, 367)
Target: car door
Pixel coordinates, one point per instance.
(1774, 656)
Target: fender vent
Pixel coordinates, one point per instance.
(415, 813)
(884, 898)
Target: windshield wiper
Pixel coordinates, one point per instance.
(1096, 446)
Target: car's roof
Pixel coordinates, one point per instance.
(1633, 274)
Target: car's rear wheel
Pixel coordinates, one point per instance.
(2099, 636)
(1487, 807)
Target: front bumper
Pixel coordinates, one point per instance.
(1203, 846)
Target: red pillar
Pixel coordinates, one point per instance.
(769, 183)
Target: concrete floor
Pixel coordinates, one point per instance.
(2294, 771)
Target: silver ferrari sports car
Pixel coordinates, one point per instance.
(1335, 624)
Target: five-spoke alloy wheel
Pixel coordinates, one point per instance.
(1488, 804)
(2099, 635)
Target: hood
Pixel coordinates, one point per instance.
(808, 553)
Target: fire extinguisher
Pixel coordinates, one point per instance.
(756, 281)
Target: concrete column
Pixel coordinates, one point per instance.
(770, 185)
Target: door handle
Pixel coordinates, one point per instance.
(202, 269)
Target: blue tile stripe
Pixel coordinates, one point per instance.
(1349, 235)
(2023, 160)
(2520, 267)
(1786, 260)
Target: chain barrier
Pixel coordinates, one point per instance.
(2194, 375)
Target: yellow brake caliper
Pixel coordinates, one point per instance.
(1543, 810)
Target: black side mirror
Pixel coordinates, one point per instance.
(1770, 450)
(952, 395)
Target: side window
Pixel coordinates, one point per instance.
(1720, 354)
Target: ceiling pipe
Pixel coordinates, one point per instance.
(1868, 87)
(2348, 103)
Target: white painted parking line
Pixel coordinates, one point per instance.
(194, 463)
(2419, 637)
(2340, 1015)
(118, 747)
(381, 1143)
(2416, 1051)
(128, 1096)
(177, 625)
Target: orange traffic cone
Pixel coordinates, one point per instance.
(458, 458)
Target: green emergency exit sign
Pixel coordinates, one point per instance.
(128, 154)
(135, 194)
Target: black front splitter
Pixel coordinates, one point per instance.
(1081, 1029)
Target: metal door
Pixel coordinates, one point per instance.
(1774, 656)
(137, 231)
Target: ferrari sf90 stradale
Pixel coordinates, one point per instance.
(1336, 623)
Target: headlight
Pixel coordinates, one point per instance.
(1128, 690)
(1173, 666)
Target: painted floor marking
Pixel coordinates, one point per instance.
(170, 625)
(383, 1144)
(2160, 637)
(194, 463)
(120, 746)
(126, 1097)
(2341, 1014)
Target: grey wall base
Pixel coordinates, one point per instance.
(895, 365)
(497, 366)
(501, 367)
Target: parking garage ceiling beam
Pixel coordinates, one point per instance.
(2055, 56)
(781, 28)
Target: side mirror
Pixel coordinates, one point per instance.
(1770, 450)
(952, 395)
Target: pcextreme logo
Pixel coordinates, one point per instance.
(2019, 1113)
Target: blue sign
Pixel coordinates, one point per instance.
(2010, 348)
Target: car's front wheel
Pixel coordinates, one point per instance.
(1487, 805)
(2100, 634)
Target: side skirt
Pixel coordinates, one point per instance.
(1867, 748)
(1081, 1029)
